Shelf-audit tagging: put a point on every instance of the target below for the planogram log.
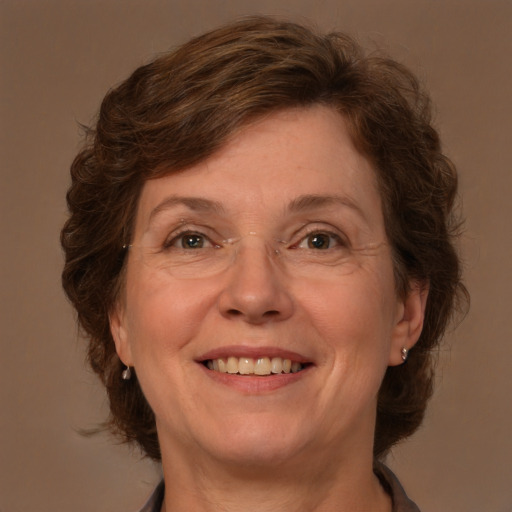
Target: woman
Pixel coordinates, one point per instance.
(260, 251)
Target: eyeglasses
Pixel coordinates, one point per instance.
(194, 255)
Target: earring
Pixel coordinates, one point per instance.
(405, 354)
(127, 374)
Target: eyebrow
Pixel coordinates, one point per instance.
(299, 204)
(198, 204)
(313, 201)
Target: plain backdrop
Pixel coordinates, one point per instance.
(59, 57)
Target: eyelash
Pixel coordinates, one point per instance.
(180, 236)
(339, 241)
(170, 243)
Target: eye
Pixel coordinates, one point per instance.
(192, 241)
(320, 241)
(189, 240)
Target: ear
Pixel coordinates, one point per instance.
(120, 335)
(409, 321)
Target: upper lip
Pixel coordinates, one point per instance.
(254, 352)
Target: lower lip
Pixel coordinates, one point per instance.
(255, 385)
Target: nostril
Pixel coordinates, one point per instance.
(252, 316)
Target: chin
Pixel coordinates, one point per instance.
(258, 443)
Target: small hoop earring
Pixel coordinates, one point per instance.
(405, 354)
(127, 374)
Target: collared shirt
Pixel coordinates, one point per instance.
(154, 504)
(401, 503)
(388, 480)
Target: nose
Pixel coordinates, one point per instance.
(255, 288)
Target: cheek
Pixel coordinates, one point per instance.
(163, 315)
(351, 304)
(354, 318)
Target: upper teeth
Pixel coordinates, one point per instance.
(253, 366)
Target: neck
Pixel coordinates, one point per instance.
(301, 486)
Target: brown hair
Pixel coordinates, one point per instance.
(182, 107)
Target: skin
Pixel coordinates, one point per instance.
(298, 442)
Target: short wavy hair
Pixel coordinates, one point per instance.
(183, 106)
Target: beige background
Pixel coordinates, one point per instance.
(58, 57)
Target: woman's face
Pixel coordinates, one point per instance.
(270, 253)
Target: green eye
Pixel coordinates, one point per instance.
(188, 240)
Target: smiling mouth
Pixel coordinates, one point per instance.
(261, 366)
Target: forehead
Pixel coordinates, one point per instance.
(274, 160)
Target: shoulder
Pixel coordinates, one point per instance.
(401, 503)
